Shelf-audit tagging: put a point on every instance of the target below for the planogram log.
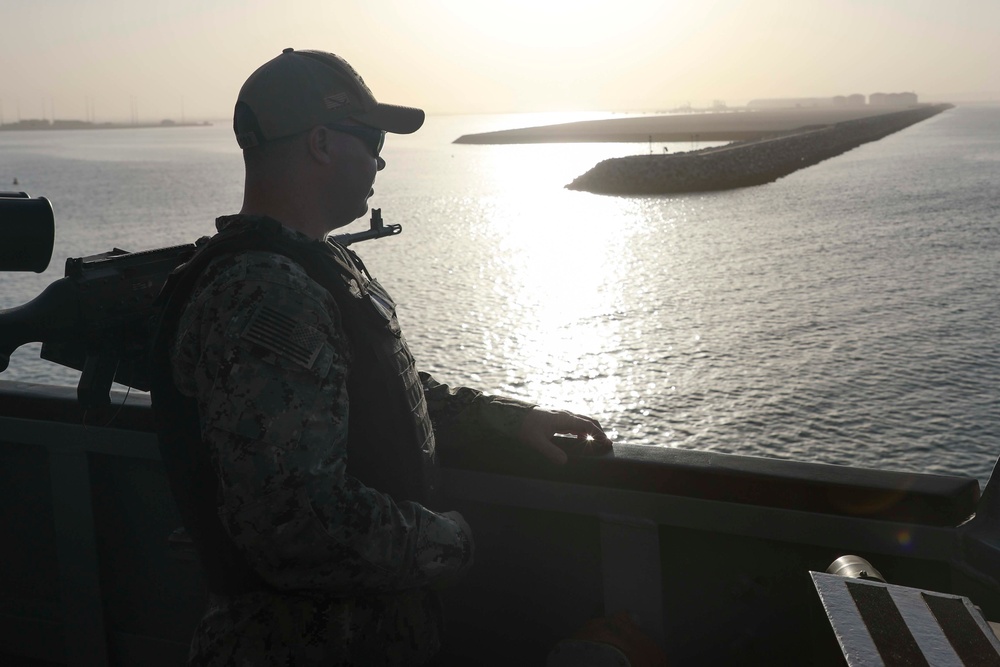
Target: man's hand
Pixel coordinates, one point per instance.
(540, 426)
(468, 549)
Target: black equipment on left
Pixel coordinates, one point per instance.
(98, 319)
(27, 232)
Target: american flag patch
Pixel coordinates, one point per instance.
(336, 100)
(285, 336)
(882, 624)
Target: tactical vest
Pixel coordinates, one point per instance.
(390, 441)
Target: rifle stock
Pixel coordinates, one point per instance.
(98, 319)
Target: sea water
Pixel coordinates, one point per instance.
(844, 314)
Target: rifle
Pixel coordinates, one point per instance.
(98, 318)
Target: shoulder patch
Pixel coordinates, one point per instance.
(285, 336)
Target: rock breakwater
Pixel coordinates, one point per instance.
(745, 163)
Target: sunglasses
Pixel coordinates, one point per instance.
(374, 138)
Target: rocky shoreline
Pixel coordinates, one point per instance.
(745, 163)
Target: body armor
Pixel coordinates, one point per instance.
(390, 440)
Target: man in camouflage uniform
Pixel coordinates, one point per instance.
(309, 436)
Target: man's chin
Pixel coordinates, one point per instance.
(364, 204)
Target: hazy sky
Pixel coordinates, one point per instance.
(104, 58)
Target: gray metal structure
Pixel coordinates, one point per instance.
(711, 552)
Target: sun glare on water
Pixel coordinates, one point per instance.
(559, 259)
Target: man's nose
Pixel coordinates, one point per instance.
(381, 163)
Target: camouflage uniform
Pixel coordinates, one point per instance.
(349, 565)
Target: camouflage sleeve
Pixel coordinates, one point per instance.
(462, 416)
(261, 349)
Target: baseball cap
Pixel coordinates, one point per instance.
(301, 89)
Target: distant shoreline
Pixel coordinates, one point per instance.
(711, 126)
(50, 126)
(747, 163)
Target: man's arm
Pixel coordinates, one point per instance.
(261, 349)
(462, 416)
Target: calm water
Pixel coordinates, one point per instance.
(845, 314)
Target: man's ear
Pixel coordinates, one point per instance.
(320, 144)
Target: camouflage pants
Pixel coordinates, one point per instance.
(263, 629)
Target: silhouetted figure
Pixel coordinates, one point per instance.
(298, 435)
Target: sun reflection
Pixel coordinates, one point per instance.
(560, 267)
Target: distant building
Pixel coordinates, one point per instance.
(31, 124)
(892, 99)
(849, 101)
(855, 100)
(791, 102)
(71, 125)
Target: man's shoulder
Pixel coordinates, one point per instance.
(255, 270)
(260, 298)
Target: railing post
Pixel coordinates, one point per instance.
(630, 567)
(76, 549)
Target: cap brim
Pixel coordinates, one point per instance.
(392, 118)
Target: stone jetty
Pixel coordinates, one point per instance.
(743, 163)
